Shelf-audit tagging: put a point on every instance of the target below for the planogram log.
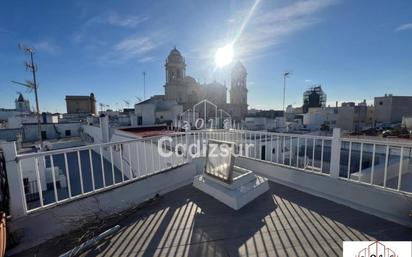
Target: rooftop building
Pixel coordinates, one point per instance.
(81, 104)
(391, 109)
(313, 98)
(22, 106)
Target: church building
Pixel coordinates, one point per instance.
(186, 91)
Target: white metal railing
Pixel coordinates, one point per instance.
(380, 163)
(385, 164)
(306, 152)
(63, 175)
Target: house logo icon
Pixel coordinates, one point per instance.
(377, 249)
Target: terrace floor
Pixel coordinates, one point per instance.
(282, 222)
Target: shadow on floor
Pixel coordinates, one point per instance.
(281, 222)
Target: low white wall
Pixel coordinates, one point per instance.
(61, 219)
(53, 130)
(371, 200)
(93, 132)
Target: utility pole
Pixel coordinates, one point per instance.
(144, 85)
(285, 75)
(32, 85)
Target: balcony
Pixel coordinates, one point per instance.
(323, 190)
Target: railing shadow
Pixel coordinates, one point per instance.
(281, 222)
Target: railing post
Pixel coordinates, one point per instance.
(104, 126)
(335, 153)
(14, 179)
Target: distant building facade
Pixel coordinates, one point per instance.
(407, 122)
(349, 117)
(314, 97)
(238, 92)
(155, 111)
(186, 91)
(271, 114)
(81, 104)
(391, 109)
(352, 117)
(22, 106)
(316, 118)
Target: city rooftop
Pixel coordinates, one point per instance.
(206, 128)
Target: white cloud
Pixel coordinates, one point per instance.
(404, 27)
(135, 46)
(139, 48)
(270, 25)
(46, 46)
(126, 21)
(115, 19)
(108, 18)
(147, 59)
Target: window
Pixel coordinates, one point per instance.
(68, 132)
(43, 135)
(380, 103)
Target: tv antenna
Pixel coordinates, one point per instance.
(127, 103)
(144, 85)
(285, 75)
(32, 85)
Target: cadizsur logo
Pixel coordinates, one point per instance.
(377, 249)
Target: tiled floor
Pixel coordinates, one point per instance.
(282, 222)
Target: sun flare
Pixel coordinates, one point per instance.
(224, 55)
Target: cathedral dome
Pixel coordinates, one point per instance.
(175, 56)
(216, 84)
(189, 79)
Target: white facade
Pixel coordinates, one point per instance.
(263, 123)
(7, 113)
(407, 122)
(316, 117)
(155, 111)
(22, 107)
(260, 123)
(51, 131)
(19, 120)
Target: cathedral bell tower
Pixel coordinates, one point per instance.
(175, 66)
(238, 91)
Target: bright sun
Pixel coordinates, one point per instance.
(224, 55)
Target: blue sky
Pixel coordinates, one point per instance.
(355, 49)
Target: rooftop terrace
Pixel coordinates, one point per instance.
(323, 190)
(282, 222)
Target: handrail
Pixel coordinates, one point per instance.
(87, 147)
(377, 142)
(309, 153)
